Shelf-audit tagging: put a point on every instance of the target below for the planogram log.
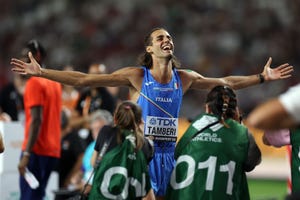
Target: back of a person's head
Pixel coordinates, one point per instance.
(127, 115)
(98, 120)
(101, 114)
(222, 102)
(36, 48)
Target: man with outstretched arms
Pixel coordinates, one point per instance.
(160, 73)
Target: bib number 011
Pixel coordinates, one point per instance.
(210, 165)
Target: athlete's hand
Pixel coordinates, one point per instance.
(280, 72)
(21, 67)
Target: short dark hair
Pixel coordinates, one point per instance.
(35, 46)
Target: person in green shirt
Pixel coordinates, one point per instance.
(121, 159)
(215, 152)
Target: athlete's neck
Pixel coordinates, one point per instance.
(162, 72)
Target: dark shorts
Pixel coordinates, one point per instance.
(41, 167)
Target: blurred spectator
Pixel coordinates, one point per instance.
(72, 149)
(91, 99)
(11, 99)
(70, 96)
(41, 144)
(216, 38)
(94, 98)
(99, 118)
(70, 162)
(100, 68)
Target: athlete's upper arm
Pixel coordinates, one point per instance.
(193, 80)
(123, 77)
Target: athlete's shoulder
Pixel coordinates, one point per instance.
(188, 73)
(128, 73)
(129, 70)
(188, 76)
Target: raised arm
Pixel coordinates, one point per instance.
(238, 82)
(118, 78)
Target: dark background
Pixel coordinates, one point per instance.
(214, 37)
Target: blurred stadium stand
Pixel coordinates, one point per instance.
(214, 37)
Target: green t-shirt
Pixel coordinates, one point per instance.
(295, 163)
(122, 173)
(210, 166)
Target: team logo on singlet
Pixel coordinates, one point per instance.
(162, 128)
(149, 83)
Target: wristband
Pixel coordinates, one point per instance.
(261, 78)
(26, 153)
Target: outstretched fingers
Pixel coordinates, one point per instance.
(18, 66)
(17, 62)
(284, 66)
(285, 76)
(285, 70)
(19, 71)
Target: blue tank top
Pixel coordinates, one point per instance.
(161, 104)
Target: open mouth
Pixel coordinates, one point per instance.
(167, 48)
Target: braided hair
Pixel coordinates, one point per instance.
(222, 102)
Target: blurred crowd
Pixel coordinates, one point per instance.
(214, 37)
